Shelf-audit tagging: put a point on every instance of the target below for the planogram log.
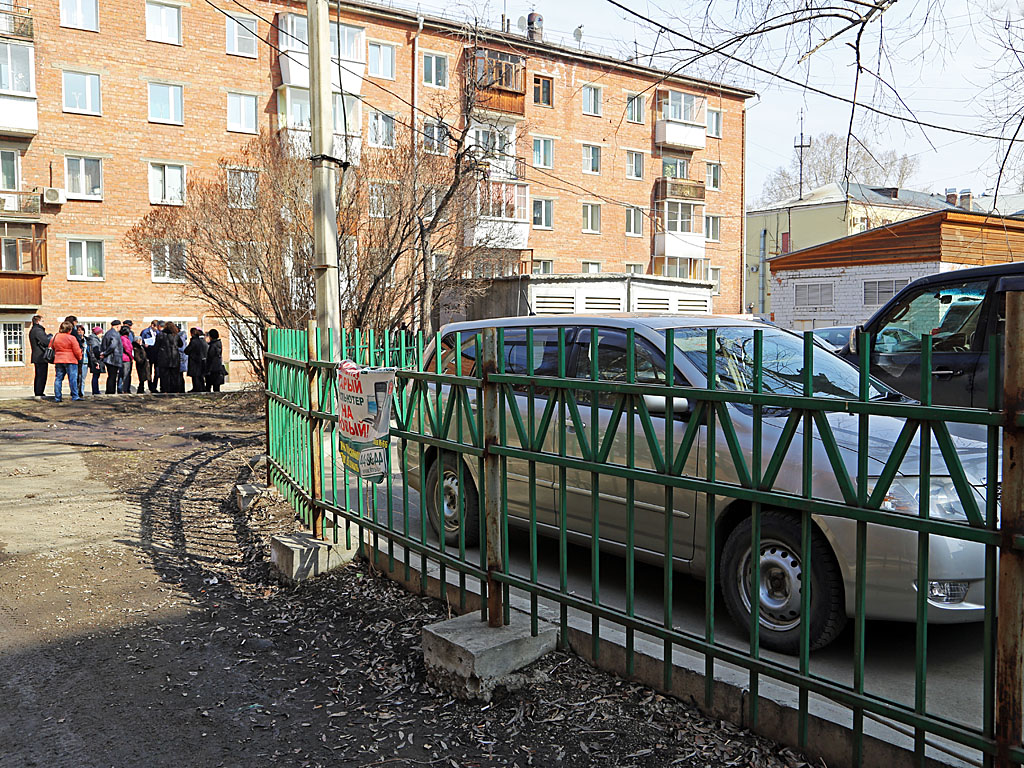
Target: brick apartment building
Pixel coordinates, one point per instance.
(107, 107)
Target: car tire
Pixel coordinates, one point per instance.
(781, 577)
(450, 479)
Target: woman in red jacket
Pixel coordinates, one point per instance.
(67, 354)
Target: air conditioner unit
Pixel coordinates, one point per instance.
(54, 196)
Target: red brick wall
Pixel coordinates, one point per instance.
(125, 139)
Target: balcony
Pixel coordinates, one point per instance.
(19, 205)
(499, 79)
(679, 245)
(22, 266)
(678, 189)
(502, 216)
(348, 148)
(677, 134)
(16, 22)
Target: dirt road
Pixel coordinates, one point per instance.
(140, 624)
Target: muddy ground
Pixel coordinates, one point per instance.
(140, 624)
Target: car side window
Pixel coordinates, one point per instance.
(545, 354)
(449, 358)
(948, 313)
(613, 361)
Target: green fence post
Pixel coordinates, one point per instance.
(266, 400)
(1010, 626)
(492, 475)
(315, 446)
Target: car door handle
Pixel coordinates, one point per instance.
(945, 373)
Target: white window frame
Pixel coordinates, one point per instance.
(155, 35)
(435, 137)
(634, 222)
(288, 33)
(247, 103)
(539, 143)
(676, 161)
(172, 105)
(81, 160)
(807, 301)
(355, 47)
(590, 212)
(8, 330)
(392, 59)
(681, 107)
(590, 267)
(543, 267)
(715, 276)
(89, 108)
(632, 268)
(241, 193)
(679, 216)
(715, 121)
(377, 199)
(635, 103)
(591, 158)
(164, 199)
(547, 211)
(73, 21)
(712, 226)
(17, 169)
(374, 137)
(592, 100)
(352, 114)
(165, 275)
(238, 29)
(713, 176)
(84, 245)
(434, 59)
(237, 329)
(7, 56)
(631, 164)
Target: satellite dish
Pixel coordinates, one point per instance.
(578, 33)
(521, 24)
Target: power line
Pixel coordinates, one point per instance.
(578, 188)
(806, 87)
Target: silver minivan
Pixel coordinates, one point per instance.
(956, 567)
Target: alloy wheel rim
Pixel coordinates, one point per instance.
(450, 499)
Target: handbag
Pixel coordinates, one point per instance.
(49, 354)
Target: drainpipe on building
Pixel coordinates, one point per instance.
(762, 277)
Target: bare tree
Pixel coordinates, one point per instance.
(826, 161)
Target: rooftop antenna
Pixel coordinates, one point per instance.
(800, 145)
(577, 35)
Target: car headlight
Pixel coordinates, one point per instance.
(904, 496)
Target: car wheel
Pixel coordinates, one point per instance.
(780, 583)
(445, 490)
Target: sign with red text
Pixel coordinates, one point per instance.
(363, 408)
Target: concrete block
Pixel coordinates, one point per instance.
(300, 556)
(470, 659)
(246, 494)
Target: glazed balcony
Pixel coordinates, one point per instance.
(680, 134)
(22, 267)
(499, 79)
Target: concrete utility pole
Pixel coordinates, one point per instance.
(325, 220)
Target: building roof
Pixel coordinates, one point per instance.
(540, 48)
(840, 192)
(951, 235)
(1004, 205)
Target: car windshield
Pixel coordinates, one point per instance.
(782, 363)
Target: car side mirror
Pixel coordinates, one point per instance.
(857, 331)
(657, 405)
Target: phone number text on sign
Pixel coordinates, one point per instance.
(372, 462)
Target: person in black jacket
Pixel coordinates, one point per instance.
(214, 361)
(196, 351)
(39, 340)
(167, 358)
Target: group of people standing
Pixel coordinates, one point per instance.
(162, 355)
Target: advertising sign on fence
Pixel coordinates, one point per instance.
(364, 416)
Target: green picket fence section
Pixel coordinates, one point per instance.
(561, 429)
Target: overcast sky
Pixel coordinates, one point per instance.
(942, 70)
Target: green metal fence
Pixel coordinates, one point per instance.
(496, 436)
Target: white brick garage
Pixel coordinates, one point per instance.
(845, 281)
